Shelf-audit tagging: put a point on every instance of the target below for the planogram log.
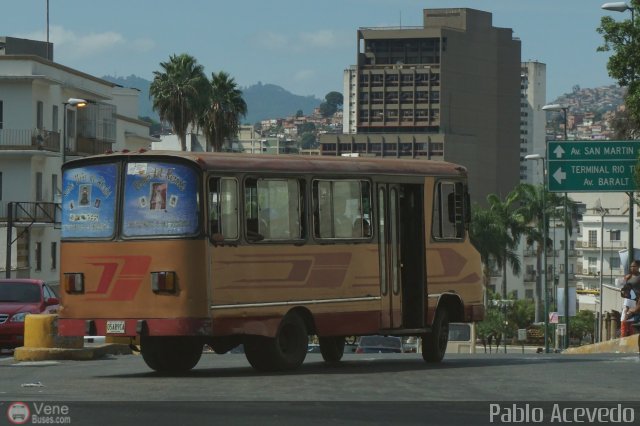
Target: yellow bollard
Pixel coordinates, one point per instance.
(41, 331)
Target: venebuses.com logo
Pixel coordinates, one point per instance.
(18, 413)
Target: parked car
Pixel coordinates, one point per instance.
(19, 298)
(379, 344)
(313, 348)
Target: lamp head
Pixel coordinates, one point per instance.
(534, 157)
(616, 6)
(76, 102)
(555, 107)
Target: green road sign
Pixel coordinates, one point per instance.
(592, 166)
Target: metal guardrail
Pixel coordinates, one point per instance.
(30, 139)
(30, 212)
(608, 245)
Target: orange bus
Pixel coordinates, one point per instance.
(182, 249)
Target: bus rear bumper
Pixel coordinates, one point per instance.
(135, 327)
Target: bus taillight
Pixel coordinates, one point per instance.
(74, 282)
(163, 282)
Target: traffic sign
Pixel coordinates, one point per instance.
(592, 166)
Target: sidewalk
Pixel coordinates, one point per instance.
(627, 344)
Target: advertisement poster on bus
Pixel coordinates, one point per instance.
(89, 201)
(160, 199)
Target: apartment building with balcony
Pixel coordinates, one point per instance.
(604, 233)
(34, 94)
(448, 90)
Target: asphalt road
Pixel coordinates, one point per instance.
(371, 388)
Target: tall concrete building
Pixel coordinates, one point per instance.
(449, 90)
(533, 88)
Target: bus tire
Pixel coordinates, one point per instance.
(332, 348)
(171, 353)
(286, 351)
(434, 344)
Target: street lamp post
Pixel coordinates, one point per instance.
(620, 6)
(76, 103)
(564, 108)
(603, 212)
(538, 157)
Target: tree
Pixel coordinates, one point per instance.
(622, 37)
(308, 140)
(334, 98)
(625, 126)
(221, 118)
(332, 102)
(512, 224)
(299, 113)
(495, 232)
(536, 204)
(179, 93)
(583, 324)
(306, 127)
(521, 314)
(486, 233)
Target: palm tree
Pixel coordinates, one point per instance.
(179, 92)
(221, 119)
(493, 240)
(534, 200)
(513, 226)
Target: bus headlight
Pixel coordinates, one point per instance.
(74, 282)
(163, 282)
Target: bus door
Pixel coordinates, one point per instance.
(390, 260)
(402, 259)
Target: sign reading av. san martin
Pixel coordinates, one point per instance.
(592, 166)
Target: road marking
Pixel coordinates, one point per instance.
(35, 364)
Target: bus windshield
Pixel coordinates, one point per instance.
(160, 199)
(89, 201)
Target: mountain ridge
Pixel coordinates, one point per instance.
(264, 101)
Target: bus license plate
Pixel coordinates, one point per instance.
(115, 327)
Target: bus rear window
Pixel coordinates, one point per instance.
(89, 201)
(160, 199)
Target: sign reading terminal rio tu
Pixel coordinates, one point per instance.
(592, 166)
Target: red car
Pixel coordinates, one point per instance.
(19, 298)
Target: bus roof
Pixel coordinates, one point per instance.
(232, 162)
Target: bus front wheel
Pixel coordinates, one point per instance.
(171, 353)
(286, 351)
(434, 344)
(331, 348)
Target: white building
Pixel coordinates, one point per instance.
(34, 103)
(533, 121)
(350, 104)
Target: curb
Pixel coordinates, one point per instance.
(627, 344)
(82, 354)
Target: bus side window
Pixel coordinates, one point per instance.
(223, 207)
(448, 211)
(273, 209)
(342, 209)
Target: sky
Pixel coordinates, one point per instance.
(301, 45)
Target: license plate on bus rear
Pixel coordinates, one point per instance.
(115, 327)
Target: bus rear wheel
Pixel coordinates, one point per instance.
(434, 344)
(331, 348)
(171, 353)
(286, 351)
